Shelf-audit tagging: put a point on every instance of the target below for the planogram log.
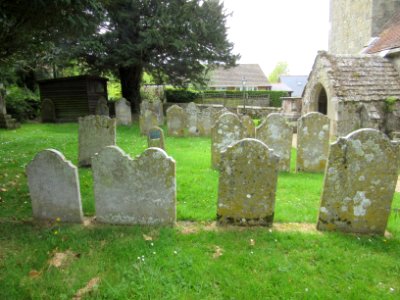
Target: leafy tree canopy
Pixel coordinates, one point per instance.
(281, 68)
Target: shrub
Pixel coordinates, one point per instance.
(181, 95)
(22, 104)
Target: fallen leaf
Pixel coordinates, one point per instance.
(218, 252)
(34, 273)
(62, 259)
(90, 286)
(3, 190)
(252, 242)
(147, 237)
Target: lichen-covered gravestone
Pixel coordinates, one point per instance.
(159, 111)
(226, 131)
(48, 111)
(123, 112)
(192, 113)
(176, 119)
(205, 121)
(54, 187)
(95, 132)
(102, 107)
(247, 184)
(155, 138)
(147, 120)
(359, 184)
(219, 113)
(249, 129)
(277, 134)
(140, 191)
(312, 142)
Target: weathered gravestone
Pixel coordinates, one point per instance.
(147, 120)
(123, 112)
(226, 131)
(359, 184)
(140, 191)
(312, 142)
(54, 187)
(155, 138)
(219, 113)
(176, 120)
(249, 129)
(6, 121)
(159, 111)
(95, 132)
(48, 111)
(277, 134)
(192, 113)
(205, 121)
(247, 184)
(102, 107)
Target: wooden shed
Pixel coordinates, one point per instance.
(73, 97)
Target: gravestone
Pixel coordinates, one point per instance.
(147, 120)
(155, 138)
(192, 113)
(219, 113)
(312, 142)
(54, 187)
(123, 112)
(102, 107)
(359, 184)
(48, 111)
(159, 111)
(140, 191)
(95, 132)
(205, 121)
(144, 105)
(6, 121)
(3, 109)
(277, 134)
(247, 184)
(176, 119)
(226, 131)
(249, 129)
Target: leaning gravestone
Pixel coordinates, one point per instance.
(155, 138)
(102, 107)
(176, 121)
(48, 111)
(192, 113)
(247, 184)
(205, 121)
(147, 120)
(123, 112)
(54, 187)
(277, 134)
(359, 185)
(140, 191)
(249, 129)
(227, 130)
(95, 132)
(312, 142)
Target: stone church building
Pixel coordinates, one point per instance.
(357, 82)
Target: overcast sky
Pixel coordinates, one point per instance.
(269, 31)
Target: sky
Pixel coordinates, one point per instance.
(265, 32)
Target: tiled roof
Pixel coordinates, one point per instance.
(389, 37)
(362, 77)
(280, 87)
(295, 82)
(252, 73)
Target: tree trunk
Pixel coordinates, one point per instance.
(130, 78)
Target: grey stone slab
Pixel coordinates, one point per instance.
(95, 132)
(249, 129)
(54, 187)
(48, 111)
(147, 120)
(102, 107)
(140, 191)
(155, 138)
(176, 121)
(359, 184)
(123, 112)
(205, 121)
(312, 142)
(277, 134)
(192, 115)
(247, 184)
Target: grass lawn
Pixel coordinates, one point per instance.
(194, 260)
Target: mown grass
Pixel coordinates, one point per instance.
(179, 263)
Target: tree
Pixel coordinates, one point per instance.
(176, 39)
(281, 68)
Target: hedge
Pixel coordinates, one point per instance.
(185, 96)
